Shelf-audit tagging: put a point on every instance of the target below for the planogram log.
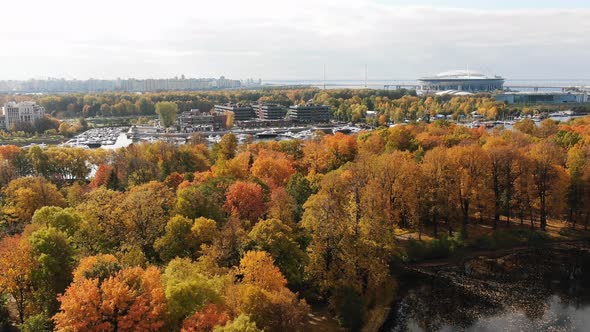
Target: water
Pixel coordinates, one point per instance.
(454, 312)
(547, 294)
(121, 142)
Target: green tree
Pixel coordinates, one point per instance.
(66, 220)
(188, 289)
(242, 323)
(54, 254)
(300, 189)
(278, 239)
(167, 111)
(178, 240)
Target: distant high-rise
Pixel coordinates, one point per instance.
(129, 85)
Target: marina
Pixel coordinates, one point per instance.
(117, 137)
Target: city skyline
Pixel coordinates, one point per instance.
(277, 40)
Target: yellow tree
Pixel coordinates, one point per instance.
(503, 174)
(439, 173)
(23, 196)
(145, 211)
(17, 264)
(262, 294)
(472, 169)
(546, 159)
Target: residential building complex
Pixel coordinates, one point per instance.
(309, 113)
(25, 112)
(271, 111)
(194, 120)
(241, 112)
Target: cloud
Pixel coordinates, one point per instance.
(287, 39)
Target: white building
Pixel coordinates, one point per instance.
(26, 111)
(461, 80)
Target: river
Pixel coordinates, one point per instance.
(535, 290)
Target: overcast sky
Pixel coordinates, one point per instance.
(276, 39)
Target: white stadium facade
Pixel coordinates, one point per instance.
(461, 80)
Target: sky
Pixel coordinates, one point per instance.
(282, 40)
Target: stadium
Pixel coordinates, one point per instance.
(461, 80)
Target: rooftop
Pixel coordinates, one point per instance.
(461, 75)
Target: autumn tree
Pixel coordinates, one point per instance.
(23, 196)
(279, 240)
(262, 295)
(242, 323)
(227, 147)
(101, 229)
(472, 168)
(131, 300)
(183, 237)
(99, 267)
(577, 168)
(178, 240)
(547, 172)
(282, 206)
(102, 177)
(203, 200)
(273, 168)
(144, 212)
(245, 200)
(503, 175)
(17, 265)
(189, 290)
(205, 320)
(440, 175)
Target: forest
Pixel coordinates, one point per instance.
(391, 106)
(258, 236)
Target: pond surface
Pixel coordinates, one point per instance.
(544, 290)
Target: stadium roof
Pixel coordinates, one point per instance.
(461, 75)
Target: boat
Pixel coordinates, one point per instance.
(213, 139)
(93, 144)
(343, 130)
(267, 134)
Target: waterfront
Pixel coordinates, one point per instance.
(528, 290)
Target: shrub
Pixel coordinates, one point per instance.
(416, 250)
(485, 242)
(435, 249)
(510, 238)
(349, 308)
(37, 323)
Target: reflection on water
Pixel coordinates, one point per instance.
(540, 292)
(557, 314)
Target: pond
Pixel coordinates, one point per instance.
(538, 290)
